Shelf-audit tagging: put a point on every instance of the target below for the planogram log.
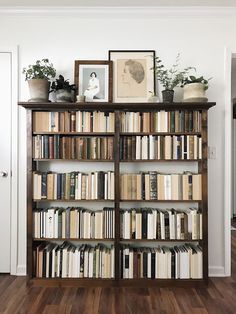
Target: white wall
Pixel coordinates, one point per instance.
(66, 36)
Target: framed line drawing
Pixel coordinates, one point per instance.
(133, 79)
(93, 79)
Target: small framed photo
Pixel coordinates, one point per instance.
(93, 79)
(133, 79)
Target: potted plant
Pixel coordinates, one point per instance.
(195, 88)
(38, 76)
(63, 89)
(169, 78)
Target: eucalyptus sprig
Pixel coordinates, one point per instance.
(170, 78)
(42, 69)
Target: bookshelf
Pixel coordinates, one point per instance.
(34, 164)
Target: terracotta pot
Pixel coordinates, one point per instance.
(194, 92)
(39, 90)
(167, 95)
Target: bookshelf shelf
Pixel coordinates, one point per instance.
(74, 160)
(159, 240)
(158, 133)
(117, 242)
(161, 160)
(73, 239)
(164, 201)
(65, 200)
(82, 134)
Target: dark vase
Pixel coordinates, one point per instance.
(167, 95)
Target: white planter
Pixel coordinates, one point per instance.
(39, 90)
(194, 92)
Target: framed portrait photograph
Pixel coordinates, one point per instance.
(133, 79)
(93, 79)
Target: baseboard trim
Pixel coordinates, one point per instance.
(21, 270)
(217, 271)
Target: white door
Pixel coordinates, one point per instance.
(5, 160)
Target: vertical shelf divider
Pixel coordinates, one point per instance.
(203, 169)
(117, 193)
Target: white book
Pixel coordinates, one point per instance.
(79, 195)
(138, 147)
(150, 233)
(54, 262)
(162, 223)
(200, 148)
(138, 226)
(127, 225)
(151, 147)
(131, 264)
(96, 184)
(144, 147)
(90, 274)
(195, 147)
(154, 212)
(50, 223)
(55, 186)
(112, 189)
(112, 262)
(105, 186)
(70, 263)
(58, 259)
(86, 262)
(184, 263)
(65, 262)
(167, 186)
(168, 147)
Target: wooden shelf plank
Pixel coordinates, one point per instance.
(163, 201)
(60, 200)
(158, 240)
(117, 106)
(82, 134)
(158, 133)
(161, 160)
(73, 239)
(78, 160)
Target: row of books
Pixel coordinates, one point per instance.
(74, 223)
(162, 224)
(161, 121)
(156, 186)
(74, 185)
(73, 121)
(178, 262)
(161, 147)
(72, 147)
(70, 261)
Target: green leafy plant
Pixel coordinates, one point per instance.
(42, 69)
(170, 78)
(61, 83)
(193, 79)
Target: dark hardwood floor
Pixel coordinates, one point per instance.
(218, 297)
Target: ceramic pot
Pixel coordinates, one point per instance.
(63, 95)
(39, 90)
(167, 95)
(194, 92)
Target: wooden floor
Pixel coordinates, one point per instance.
(218, 297)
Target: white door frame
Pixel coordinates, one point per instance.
(228, 160)
(14, 156)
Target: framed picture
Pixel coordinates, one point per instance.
(93, 79)
(133, 79)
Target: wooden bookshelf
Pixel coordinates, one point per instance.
(117, 108)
